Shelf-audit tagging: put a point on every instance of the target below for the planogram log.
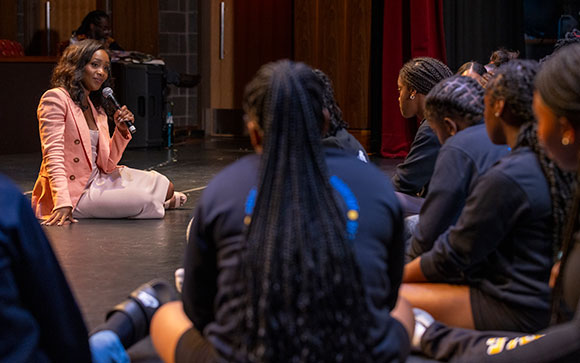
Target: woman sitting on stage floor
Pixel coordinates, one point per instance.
(79, 176)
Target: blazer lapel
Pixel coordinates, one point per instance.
(82, 128)
(104, 138)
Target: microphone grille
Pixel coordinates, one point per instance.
(107, 92)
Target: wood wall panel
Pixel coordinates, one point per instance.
(334, 36)
(136, 25)
(8, 19)
(65, 16)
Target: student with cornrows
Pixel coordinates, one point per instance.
(294, 253)
(491, 269)
(454, 109)
(557, 108)
(411, 177)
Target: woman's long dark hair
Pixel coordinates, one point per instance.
(70, 69)
(305, 298)
(336, 121)
(558, 83)
(514, 83)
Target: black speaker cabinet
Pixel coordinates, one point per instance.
(140, 87)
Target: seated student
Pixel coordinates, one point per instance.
(337, 135)
(557, 108)
(416, 78)
(39, 318)
(279, 266)
(454, 108)
(502, 246)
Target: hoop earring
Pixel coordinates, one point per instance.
(412, 97)
(565, 141)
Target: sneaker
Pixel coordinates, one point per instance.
(179, 273)
(423, 320)
(142, 303)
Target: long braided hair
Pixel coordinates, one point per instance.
(558, 83)
(423, 73)
(336, 121)
(514, 83)
(305, 298)
(460, 98)
(69, 72)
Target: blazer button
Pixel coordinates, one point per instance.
(77, 141)
(76, 160)
(72, 177)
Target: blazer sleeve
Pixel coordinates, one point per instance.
(51, 114)
(117, 146)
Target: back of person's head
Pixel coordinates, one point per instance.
(423, 73)
(558, 83)
(514, 84)
(92, 18)
(502, 56)
(336, 121)
(459, 98)
(471, 66)
(305, 300)
(69, 71)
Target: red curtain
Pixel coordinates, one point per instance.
(411, 29)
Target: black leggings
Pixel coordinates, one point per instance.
(193, 347)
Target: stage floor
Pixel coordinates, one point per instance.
(104, 260)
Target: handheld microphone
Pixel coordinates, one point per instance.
(108, 93)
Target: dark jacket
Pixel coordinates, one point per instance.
(413, 175)
(502, 242)
(39, 318)
(461, 160)
(213, 289)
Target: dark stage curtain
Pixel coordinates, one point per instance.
(475, 28)
(410, 29)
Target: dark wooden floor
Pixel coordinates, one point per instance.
(103, 259)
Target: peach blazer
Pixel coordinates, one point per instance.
(66, 151)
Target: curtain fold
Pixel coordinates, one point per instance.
(410, 29)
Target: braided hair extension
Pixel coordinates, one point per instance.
(70, 69)
(336, 121)
(459, 98)
(423, 73)
(558, 83)
(514, 83)
(571, 37)
(305, 299)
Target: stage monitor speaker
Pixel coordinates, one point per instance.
(140, 87)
